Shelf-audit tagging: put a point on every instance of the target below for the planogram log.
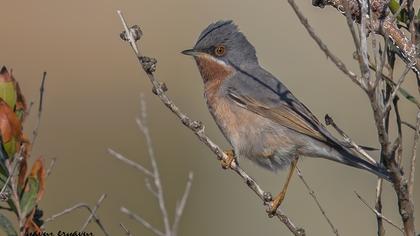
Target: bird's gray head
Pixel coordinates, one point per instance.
(224, 42)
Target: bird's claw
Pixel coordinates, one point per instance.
(275, 204)
(226, 163)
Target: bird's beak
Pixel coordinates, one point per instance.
(190, 52)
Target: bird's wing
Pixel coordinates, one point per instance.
(293, 115)
(259, 91)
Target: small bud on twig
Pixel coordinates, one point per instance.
(135, 31)
(148, 63)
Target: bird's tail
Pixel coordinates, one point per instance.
(348, 158)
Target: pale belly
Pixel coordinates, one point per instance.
(252, 136)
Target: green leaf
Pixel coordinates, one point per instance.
(10, 147)
(6, 226)
(394, 6)
(8, 93)
(29, 195)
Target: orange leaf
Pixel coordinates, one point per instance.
(22, 173)
(38, 171)
(10, 125)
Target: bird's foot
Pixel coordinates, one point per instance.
(275, 203)
(226, 164)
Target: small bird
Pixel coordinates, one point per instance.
(257, 114)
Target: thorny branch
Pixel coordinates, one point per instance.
(132, 34)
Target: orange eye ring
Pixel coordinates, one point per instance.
(220, 50)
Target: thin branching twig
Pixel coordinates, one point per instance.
(329, 121)
(157, 188)
(141, 221)
(51, 167)
(179, 210)
(313, 195)
(413, 158)
(378, 214)
(40, 108)
(75, 207)
(89, 219)
(127, 232)
(378, 21)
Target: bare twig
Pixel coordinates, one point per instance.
(89, 219)
(378, 207)
(329, 121)
(382, 24)
(378, 214)
(413, 158)
(409, 125)
(141, 221)
(75, 207)
(156, 176)
(127, 232)
(51, 167)
(156, 189)
(40, 106)
(198, 129)
(12, 168)
(340, 65)
(130, 162)
(313, 195)
(363, 53)
(179, 210)
(387, 107)
(391, 83)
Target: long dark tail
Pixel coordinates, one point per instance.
(351, 159)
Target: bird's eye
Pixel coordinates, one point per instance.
(220, 50)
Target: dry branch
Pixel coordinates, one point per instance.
(89, 219)
(379, 21)
(313, 195)
(156, 189)
(75, 207)
(378, 214)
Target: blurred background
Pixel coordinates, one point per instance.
(92, 99)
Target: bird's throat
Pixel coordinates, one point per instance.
(212, 69)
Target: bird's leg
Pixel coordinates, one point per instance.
(280, 197)
(231, 157)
